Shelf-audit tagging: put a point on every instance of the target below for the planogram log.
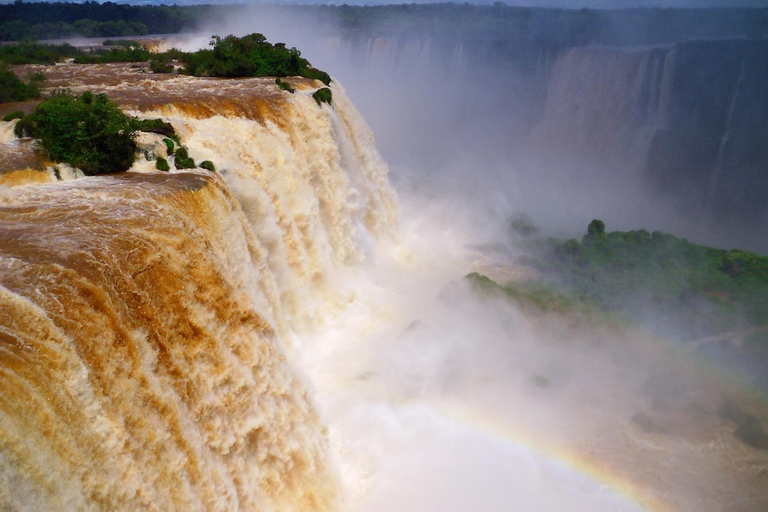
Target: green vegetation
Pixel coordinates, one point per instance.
(130, 53)
(250, 55)
(596, 227)
(160, 65)
(24, 20)
(509, 27)
(231, 56)
(19, 30)
(16, 114)
(539, 296)
(162, 164)
(155, 126)
(34, 53)
(88, 132)
(323, 95)
(657, 278)
(208, 165)
(12, 88)
(182, 160)
(169, 145)
(284, 86)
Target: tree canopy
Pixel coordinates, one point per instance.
(89, 132)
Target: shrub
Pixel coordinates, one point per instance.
(208, 165)
(182, 161)
(162, 164)
(12, 88)
(88, 132)
(573, 251)
(323, 95)
(129, 53)
(26, 127)
(168, 145)
(596, 227)
(155, 126)
(160, 66)
(16, 114)
(284, 86)
(316, 74)
(250, 55)
(35, 53)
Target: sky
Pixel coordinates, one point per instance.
(574, 4)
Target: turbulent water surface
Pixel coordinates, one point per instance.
(270, 337)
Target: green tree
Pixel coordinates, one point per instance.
(89, 132)
(596, 227)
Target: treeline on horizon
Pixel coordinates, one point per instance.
(42, 20)
(554, 27)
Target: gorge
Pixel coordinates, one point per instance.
(303, 329)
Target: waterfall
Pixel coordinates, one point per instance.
(723, 146)
(602, 104)
(147, 318)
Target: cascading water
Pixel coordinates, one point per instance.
(602, 104)
(138, 372)
(145, 317)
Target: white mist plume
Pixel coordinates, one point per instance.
(440, 399)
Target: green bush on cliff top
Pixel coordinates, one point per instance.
(89, 132)
(250, 55)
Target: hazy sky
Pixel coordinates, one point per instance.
(574, 4)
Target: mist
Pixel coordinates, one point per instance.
(468, 114)
(439, 396)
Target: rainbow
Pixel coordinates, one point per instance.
(561, 457)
